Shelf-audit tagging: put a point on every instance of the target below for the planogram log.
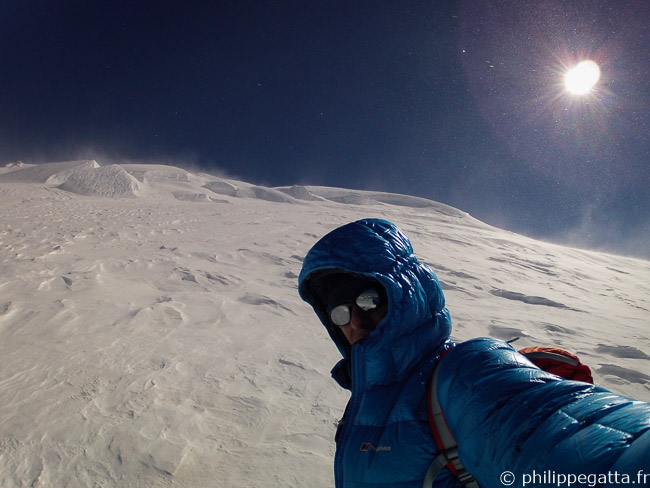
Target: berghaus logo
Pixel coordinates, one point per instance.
(366, 446)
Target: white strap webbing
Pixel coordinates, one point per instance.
(439, 462)
(449, 453)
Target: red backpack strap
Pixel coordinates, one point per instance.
(558, 362)
(550, 359)
(442, 436)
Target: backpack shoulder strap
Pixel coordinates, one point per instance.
(445, 442)
(551, 359)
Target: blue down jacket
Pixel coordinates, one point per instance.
(506, 414)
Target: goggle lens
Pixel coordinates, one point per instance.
(366, 301)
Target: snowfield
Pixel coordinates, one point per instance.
(152, 334)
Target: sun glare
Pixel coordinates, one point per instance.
(580, 79)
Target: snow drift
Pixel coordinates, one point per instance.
(80, 177)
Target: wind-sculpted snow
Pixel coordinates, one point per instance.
(511, 295)
(41, 173)
(248, 191)
(80, 177)
(153, 173)
(359, 197)
(109, 181)
(188, 196)
(268, 194)
(159, 340)
(222, 188)
(299, 192)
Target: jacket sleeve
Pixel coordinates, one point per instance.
(509, 416)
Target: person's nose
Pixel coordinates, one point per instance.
(356, 318)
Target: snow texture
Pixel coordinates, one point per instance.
(152, 334)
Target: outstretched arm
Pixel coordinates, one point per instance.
(510, 417)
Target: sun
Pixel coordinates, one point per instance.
(581, 79)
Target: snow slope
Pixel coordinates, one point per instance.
(152, 334)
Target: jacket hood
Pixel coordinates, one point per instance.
(417, 322)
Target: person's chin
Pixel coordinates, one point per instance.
(359, 338)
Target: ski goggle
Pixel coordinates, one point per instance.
(341, 315)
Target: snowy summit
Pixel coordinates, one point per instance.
(153, 336)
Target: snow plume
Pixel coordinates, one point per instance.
(594, 232)
(159, 340)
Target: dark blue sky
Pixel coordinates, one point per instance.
(458, 101)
